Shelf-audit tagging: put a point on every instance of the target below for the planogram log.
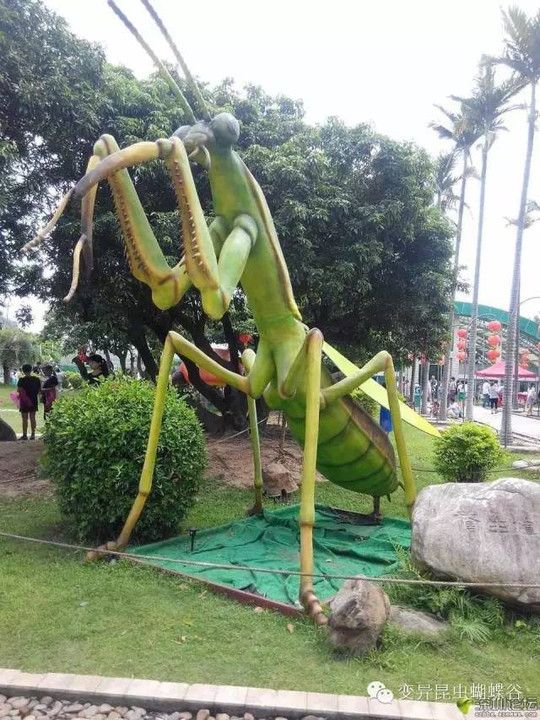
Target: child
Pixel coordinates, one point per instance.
(28, 388)
(48, 389)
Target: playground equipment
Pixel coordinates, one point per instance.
(241, 246)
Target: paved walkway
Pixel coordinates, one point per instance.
(520, 424)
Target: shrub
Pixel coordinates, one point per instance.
(95, 443)
(72, 380)
(366, 403)
(465, 453)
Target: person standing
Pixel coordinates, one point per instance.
(494, 390)
(28, 389)
(485, 394)
(452, 390)
(48, 389)
(99, 369)
(529, 402)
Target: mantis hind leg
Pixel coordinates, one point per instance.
(313, 355)
(147, 474)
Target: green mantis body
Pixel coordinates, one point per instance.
(241, 247)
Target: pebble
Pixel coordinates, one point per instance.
(73, 708)
(105, 708)
(18, 702)
(203, 715)
(3, 699)
(248, 716)
(185, 716)
(4, 709)
(46, 700)
(222, 716)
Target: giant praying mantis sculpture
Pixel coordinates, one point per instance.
(241, 246)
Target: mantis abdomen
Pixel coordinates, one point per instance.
(352, 450)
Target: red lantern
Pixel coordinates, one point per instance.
(462, 333)
(494, 340)
(462, 356)
(423, 359)
(462, 345)
(245, 338)
(494, 326)
(493, 355)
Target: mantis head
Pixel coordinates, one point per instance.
(204, 138)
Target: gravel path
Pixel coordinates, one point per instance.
(32, 708)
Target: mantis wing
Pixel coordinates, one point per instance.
(378, 393)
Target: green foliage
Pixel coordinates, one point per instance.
(73, 380)
(366, 403)
(16, 348)
(465, 453)
(471, 617)
(95, 444)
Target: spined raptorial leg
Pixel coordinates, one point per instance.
(381, 362)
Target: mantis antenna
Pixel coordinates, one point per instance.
(157, 62)
(179, 59)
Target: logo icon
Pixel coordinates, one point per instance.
(464, 705)
(378, 691)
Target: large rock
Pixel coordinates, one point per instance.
(278, 480)
(482, 533)
(6, 432)
(418, 622)
(358, 614)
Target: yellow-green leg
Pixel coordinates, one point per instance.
(381, 362)
(256, 448)
(313, 347)
(147, 474)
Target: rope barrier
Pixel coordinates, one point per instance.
(249, 568)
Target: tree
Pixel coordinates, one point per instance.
(16, 348)
(353, 210)
(522, 56)
(486, 107)
(463, 132)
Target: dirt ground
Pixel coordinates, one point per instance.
(18, 469)
(229, 460)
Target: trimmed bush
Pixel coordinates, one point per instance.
(95, 443)
(72, 380)
(367, 404)
(465, 453)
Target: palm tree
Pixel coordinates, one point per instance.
(522, 56)
(486, 108)
(463, 133)
(445, 180)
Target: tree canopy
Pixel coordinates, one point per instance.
(368, 251)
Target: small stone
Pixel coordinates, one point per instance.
(40, 706)
(75, 708)
(55, 708)
(105, 708)
(99, 716)
(312, 717)
(121, 710)
(46, 700)
(222, 716)
(114, 715)
(33, 703)
(248, 716)
(90, 711)
(173, 716)
(203, 715)
(30, 717)
(18, 702)
(280, 718)
(186, 716)
(3, 699)
(5, 708)
(14, 712)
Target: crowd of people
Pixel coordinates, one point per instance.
(44, 383)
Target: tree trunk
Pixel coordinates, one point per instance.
(411, 388)
(506, 422)
(471, 367)
(425, 388)
(450, 346)
(123, 366)
(138, 338)
(6, 370)
(515, 402)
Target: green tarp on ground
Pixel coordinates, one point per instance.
(341, 547)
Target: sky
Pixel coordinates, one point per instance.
(386, 62)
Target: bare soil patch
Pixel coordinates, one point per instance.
(18, 469)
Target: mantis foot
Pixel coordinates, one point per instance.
(256, 509)
(101, 551)
(314, 608)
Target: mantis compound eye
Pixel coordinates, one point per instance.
(182, 131)
(226, 129)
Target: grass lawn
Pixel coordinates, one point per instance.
(10, 414)
(61, 615)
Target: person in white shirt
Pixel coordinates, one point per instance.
(494, 390)
(529, 402)
(485, 394)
